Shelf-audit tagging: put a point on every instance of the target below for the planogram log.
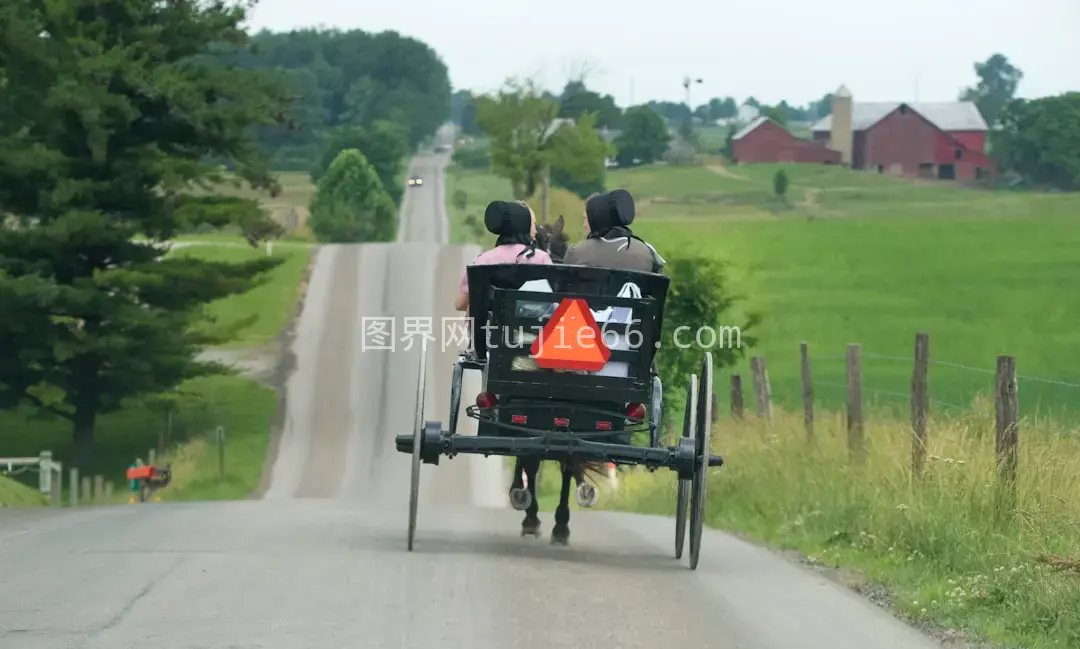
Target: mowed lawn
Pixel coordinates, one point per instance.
(984, 273)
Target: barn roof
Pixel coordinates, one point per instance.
(744, 131)
(946, 115)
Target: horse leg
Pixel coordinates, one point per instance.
(519, 495)
(531, 524)
(560, 534)
(586, 493)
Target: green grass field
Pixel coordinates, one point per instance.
(271, 301)
(984, 273)
(855, 257)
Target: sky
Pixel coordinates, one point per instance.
(916, 50)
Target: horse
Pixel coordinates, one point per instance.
(552, 239)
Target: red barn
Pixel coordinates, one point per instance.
(763, 140)
(945, 140)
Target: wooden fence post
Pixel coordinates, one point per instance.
(856, 443)
(807, 390)
(87, 495)
(736, 397)
(920, 402)
(762, 396)
(1006, 438)
(99, 487)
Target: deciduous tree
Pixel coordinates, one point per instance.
(526, 137)
(699, 299)
(385, 146)
(998, 81)
(350, 205)
(1039, 139)
(644, 137)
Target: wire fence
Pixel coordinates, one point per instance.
(961, 385)
(1002, 383)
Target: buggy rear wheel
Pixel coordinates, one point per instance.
(689, 422)
(703, 431)
(418, 439)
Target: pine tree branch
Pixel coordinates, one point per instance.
(38, 403)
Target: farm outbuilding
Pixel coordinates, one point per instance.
(945, 140)
(763, 140)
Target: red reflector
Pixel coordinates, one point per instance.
(518, 419)
(603, 425)
(562, 421)
(485, 400)
(635, 411)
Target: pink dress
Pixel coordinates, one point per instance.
(507, 254)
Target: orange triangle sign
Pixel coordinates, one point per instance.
(571, 340)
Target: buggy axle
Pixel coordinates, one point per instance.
(436, 442)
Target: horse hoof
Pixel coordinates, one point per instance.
(520, 499)
(533, 531)
(587, 495)
(560, 535)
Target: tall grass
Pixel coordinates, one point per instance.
(949, 547)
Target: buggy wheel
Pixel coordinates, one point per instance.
(418, 439)
(701, 472)
(455, 395)
(689, 421)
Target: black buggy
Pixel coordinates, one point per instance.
(526, 410)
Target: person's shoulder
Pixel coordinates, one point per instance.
(492, 255)
(542, 257)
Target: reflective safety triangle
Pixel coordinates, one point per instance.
(571, 340)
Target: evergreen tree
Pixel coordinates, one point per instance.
(113, 124)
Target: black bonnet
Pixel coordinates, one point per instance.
(507, 218)
(610, 210)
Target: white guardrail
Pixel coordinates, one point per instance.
(50, 472)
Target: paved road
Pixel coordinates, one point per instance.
(321, 561)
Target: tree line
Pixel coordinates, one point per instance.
(121, 123)
(1036, 142)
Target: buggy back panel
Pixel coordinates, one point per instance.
(507, 317)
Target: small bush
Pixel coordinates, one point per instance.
(461, 199)
(780, 183)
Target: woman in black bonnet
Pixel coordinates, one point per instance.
(515, 225)
(610, 242)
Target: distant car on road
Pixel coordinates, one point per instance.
(416, 181)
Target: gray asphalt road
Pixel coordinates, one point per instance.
(321, 560)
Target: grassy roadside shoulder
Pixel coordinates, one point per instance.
(937, 552)
(244, 407)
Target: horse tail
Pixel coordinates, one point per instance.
(595, 472)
